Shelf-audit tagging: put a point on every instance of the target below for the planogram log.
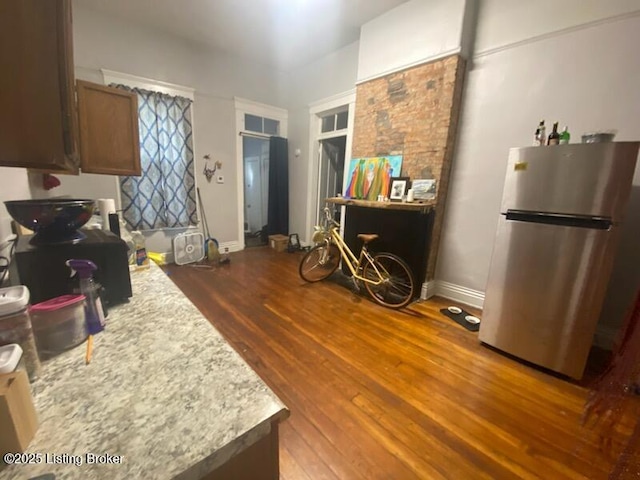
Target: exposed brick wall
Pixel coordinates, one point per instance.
(414, 113)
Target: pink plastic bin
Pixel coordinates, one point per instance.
(59, 324)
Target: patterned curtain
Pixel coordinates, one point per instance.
(164, 196)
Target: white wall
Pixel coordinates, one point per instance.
(410, 34)
(14, 185)
(331, 75)
(585, 77)
(103, 41)
(502, 23)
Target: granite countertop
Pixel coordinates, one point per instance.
(164, 391)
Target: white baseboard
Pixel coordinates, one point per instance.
(231, 246)
(604, 337)
(464, 295)
(428, 290)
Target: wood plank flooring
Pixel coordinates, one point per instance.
(382, 394)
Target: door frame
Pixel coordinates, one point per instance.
(322, 138)
(317, 109)
(243, 106)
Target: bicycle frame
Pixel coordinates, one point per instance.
(386, 277)
(354, 263)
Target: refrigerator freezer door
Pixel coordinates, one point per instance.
(545, 291)
(583, 179)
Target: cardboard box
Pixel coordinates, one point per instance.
(17, 413)
(278, 242)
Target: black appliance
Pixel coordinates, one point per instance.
(43, 271)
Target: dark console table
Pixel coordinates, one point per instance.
(403, 229)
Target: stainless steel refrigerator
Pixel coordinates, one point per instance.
(561, 212)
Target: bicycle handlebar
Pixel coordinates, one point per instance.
(330, 220)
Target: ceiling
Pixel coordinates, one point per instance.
(283, 33)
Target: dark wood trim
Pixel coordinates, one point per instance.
(258, 462)
(422, 205)
(36, 52)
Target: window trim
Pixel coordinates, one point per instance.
(262, 124)
(133, 81)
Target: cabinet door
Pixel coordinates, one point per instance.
(37, 122)
(109, 136)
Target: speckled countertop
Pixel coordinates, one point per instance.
(164, 391)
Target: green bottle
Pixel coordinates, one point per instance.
(565, 136)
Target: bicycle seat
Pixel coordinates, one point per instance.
(367, 237)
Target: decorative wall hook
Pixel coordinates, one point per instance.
(210, 172)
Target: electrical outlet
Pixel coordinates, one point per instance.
(220, 179)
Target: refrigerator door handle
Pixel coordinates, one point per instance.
(579, 221)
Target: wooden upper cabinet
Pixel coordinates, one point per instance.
(37, 117)
(38, 110)
(109, 138)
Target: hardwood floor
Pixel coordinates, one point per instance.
(382, 394)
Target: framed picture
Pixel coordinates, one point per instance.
(371, 176)
(424, 189)
(398, 188)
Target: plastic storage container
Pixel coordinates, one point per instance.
(598, 137)
(11, 358)
(15, 326)
(59, 324)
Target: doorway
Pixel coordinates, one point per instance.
(256, 123)
(330, 138)
(330, 170)
(256, 189)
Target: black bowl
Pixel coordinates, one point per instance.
(52, 220)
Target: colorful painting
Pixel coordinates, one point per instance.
(370, 177)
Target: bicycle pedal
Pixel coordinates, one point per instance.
(356, 285)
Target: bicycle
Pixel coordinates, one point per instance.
(387, 277)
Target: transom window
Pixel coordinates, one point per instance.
(335, 121)
(268, 126)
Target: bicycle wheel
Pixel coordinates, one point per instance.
(397, 287)
(319, 262)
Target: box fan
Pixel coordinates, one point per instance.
(188, 248)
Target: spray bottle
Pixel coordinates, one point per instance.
(93, 313)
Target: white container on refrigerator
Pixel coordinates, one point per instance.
(557, 234)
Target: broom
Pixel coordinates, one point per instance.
(210, 243)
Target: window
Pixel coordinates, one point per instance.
(268, 126)
(335, 121)
(164, 195)
(341, 120)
